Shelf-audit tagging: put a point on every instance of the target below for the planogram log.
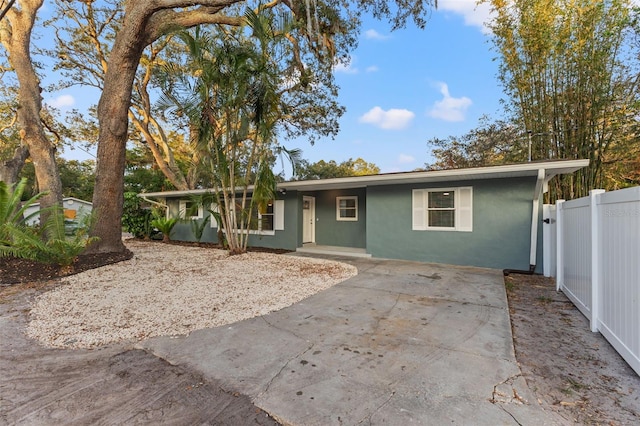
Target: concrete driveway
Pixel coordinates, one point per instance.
(401, 343)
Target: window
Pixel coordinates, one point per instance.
(347, 208)
(443, 209)
(265, 222)
(191, 210)
(262, 219)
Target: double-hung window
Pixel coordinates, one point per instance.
(443, 209)
(347, 208)
(262, 219)
(265, 219)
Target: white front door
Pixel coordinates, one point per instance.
(308, 220)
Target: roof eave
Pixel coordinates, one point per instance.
(550, 168)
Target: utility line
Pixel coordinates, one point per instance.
(6, 9)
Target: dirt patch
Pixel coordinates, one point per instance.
(15, 270)
(570, 369)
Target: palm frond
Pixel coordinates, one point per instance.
(11, 208)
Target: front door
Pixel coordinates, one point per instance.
(308, 220)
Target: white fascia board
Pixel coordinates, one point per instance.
(550, 168)
(78, 200)
(174, 194)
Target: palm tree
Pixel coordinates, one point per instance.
(233, 101)
(12, 209)
(17, 239)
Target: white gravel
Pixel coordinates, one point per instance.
(170, 290)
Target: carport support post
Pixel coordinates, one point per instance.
(559, 244)
(534, 219)
(595, 257)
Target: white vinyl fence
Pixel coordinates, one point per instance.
(597, 262)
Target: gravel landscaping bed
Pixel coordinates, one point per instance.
(169, 290)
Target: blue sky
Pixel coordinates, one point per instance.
(401, 89)
(405, 87)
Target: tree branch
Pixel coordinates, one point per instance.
(6, 9)
(165, 21)
(10, 124)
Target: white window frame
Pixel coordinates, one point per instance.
(278, 220)
(346, 219)
(182, 210)
(462, 207)
(273, 221)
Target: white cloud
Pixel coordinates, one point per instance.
(473, 14)
(345, 68)
(405, 159)
(374, 35)
(393, 119)
(449, 108)
(62, 101)
(351, 68)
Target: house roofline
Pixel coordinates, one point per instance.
(532, 169)
(67, 199)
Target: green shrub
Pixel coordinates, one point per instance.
(164, 225)
(28, 244)
(198, 227)
(12, 209)
(47, 244)
(135, 219)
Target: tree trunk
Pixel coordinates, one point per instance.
(32, 133)
(136, 32)
(113, 110)
(10, 169)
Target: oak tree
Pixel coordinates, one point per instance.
(331, 169)
(143, 23)
(16, 29)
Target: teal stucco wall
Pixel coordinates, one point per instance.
(282, 239)
(332, 232)
(500, 236)
(501, 225)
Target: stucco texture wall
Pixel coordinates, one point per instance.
(282, 239)
(332, 232)
(501, 226)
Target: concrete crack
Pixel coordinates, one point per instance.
(286, 364)
(440, 299)
(511, 415)
(385, 315)
(281, 329)
(385, 402)
(505, 392)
